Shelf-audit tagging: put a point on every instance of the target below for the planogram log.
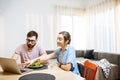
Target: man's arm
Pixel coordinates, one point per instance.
(15, 56)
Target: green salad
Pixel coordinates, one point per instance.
(36, 64)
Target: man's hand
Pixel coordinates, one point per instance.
(28, 63)
(23, 65)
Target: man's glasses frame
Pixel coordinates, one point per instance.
(32, 41)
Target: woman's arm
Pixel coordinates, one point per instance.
(46, 57)
(51, 56)
(43, 58)
(66, 67)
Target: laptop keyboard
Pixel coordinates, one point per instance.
(22, 70)
(26, 70)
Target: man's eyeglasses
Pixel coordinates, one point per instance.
(32, 41)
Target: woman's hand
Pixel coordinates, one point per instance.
(59, 64)
(65, 67)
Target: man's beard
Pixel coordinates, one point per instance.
(30, 46)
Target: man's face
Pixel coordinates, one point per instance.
(31, 42)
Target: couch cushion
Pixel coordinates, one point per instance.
(95, 55)
(111, 57)
(49, 51)
(89, 54)
(113, 73)
(79, 53)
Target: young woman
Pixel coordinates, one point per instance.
(65, 54)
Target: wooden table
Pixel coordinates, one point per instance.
(54, 70)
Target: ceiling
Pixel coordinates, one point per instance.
(86, 3)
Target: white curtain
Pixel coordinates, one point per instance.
(101, 33)
(72, 20)
(117, 26)
(97, 27)
(44, 25)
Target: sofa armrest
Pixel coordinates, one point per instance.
(111, 57)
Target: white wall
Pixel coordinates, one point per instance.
(17, 17)
(1, 35)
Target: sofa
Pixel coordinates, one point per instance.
(113, 58)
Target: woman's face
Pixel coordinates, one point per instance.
(60, 40)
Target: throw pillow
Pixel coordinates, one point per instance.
(89, 54)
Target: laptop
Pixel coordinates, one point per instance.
(10, 65)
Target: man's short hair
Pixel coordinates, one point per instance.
(32, 33)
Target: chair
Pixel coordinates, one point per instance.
(89, 70)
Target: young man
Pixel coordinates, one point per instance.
(30, 51)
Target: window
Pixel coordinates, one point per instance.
(75, 26)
